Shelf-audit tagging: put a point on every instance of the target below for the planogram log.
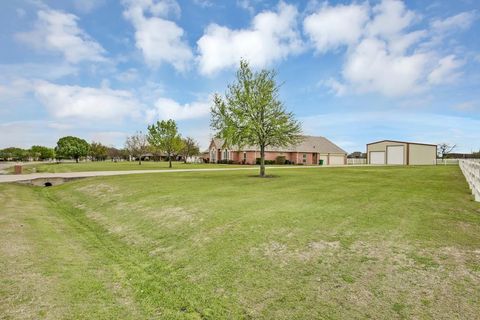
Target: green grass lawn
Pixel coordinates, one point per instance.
(336, 243)
(114, 166)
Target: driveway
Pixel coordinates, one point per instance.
(25, 177)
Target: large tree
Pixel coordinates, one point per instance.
(15, 154)
(42, 153)
(98, 151)
(72, 147)
(251, 113)
(190, 148)
(137, 145)
(165, 137)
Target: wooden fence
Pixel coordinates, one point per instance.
(471, 171)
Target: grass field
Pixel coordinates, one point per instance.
(336, 243)
(116, 166)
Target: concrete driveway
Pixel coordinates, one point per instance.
(25, 177)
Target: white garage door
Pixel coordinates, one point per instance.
(377, 157)
(337, 160)
(395, 154)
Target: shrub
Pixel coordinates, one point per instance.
(266, 161)
(225, 161)
(280, 160)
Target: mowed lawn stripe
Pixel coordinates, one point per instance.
(386, 242)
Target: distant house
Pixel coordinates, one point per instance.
(311, 150)
(357, 155)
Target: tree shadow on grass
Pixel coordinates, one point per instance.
(268, 176)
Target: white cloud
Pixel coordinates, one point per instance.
(466, 106)
(160, 40)
(460, 21)
(86, 6)
(24, 134)
(169, 109)
(446, 70)
(385, 53)
(57, 31)
(371, 67)
(272, 36)
(47, 71)
(85, 103)
(330, 27)
(128, 75)
(108, 138)
(335, 87)
(390, 17)
(203, 3)
(246, 5)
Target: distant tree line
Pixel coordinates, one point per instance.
(163, 141)
(34, 153)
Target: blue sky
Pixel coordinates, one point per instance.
(352, 71)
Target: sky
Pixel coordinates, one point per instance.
(352, 71)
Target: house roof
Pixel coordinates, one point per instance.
(308, 144)
(397, 141)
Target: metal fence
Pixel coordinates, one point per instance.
(471, 171)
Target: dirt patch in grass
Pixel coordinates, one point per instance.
(99, 190)
(370, 277)
(172, 217)
(281, 253)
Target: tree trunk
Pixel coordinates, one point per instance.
(169, 160)
(262, 161)
(76, 159)
(140, 160)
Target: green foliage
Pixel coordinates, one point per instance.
(280, 160)
(98, 151)
(72, 147)
(225, 161)
(16, 154)
(252, 114)
(267, 162)
(165, 137)
(42, 153)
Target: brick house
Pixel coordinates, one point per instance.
(309, 151)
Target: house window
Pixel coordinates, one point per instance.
(304, 158)
(244, 156)
(212, 155)
(225, 154)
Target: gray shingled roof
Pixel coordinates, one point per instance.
(309, 144)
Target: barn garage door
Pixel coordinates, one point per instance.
(337, 160)
(395, 154)
(377, 157)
